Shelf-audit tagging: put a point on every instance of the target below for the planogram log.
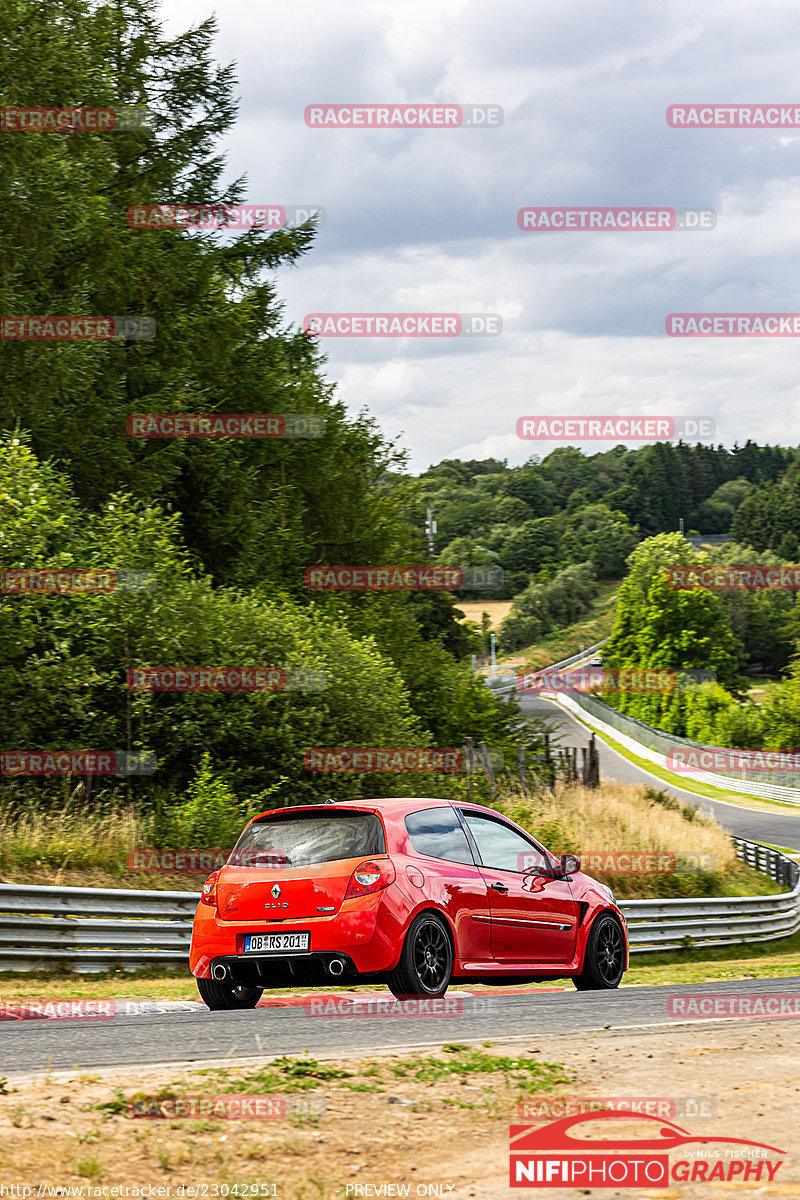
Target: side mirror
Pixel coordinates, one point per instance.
(570, 864)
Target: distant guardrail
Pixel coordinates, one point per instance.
(708, 539)
(769, 785)
(504, 685)
(102, 929)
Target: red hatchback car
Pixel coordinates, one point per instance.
(413, 893)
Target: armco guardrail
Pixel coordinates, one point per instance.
(94, 929)
(723, 920)
(504, 685)
(777, 786)
(660, 744)
(708, 539)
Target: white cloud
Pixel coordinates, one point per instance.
(426, 221)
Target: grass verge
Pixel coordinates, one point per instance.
(757, 961)
(624, 819)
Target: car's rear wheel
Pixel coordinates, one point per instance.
(228, 995)
(604, 964)
(426, 962)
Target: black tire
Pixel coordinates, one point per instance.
(426, 961)
(228, 995)
(604, 963)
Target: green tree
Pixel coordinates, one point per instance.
(544, 606)
(659, 626)
(601, 536)
(252, 510)
(780, 712)
(532, 545)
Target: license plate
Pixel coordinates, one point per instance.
(276, 943)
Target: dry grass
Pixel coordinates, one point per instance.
(620, 816)
(69, 838)
(80, 847)
(623, 819)
(473, 610)
(76, 846)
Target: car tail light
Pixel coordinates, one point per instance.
(209, 893)
(371, 876)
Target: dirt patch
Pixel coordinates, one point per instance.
(419, 1119)
(473, 610)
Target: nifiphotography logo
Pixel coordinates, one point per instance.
(556, 1155)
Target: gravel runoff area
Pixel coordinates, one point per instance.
(434, 1122)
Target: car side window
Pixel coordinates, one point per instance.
(503, 849)
(437, 832)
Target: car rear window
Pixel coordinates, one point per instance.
(303, 841)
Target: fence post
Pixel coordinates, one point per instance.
(523, 774)
(487, 766)
(470, 763)
(594, 763)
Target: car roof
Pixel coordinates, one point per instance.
(393, 804)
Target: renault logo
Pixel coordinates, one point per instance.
(276, 891)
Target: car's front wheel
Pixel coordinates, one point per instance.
(228, 995)
(604, 963)
(426, 962)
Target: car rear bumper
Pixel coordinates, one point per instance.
(273, 970)
(363, 933)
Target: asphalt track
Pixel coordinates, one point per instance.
(30, 1046)
(755, 825)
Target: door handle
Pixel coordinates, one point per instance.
(498, 887)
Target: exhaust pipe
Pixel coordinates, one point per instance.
(336, 966)
(219, 971)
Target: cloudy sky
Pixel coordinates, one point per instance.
(425, 220)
